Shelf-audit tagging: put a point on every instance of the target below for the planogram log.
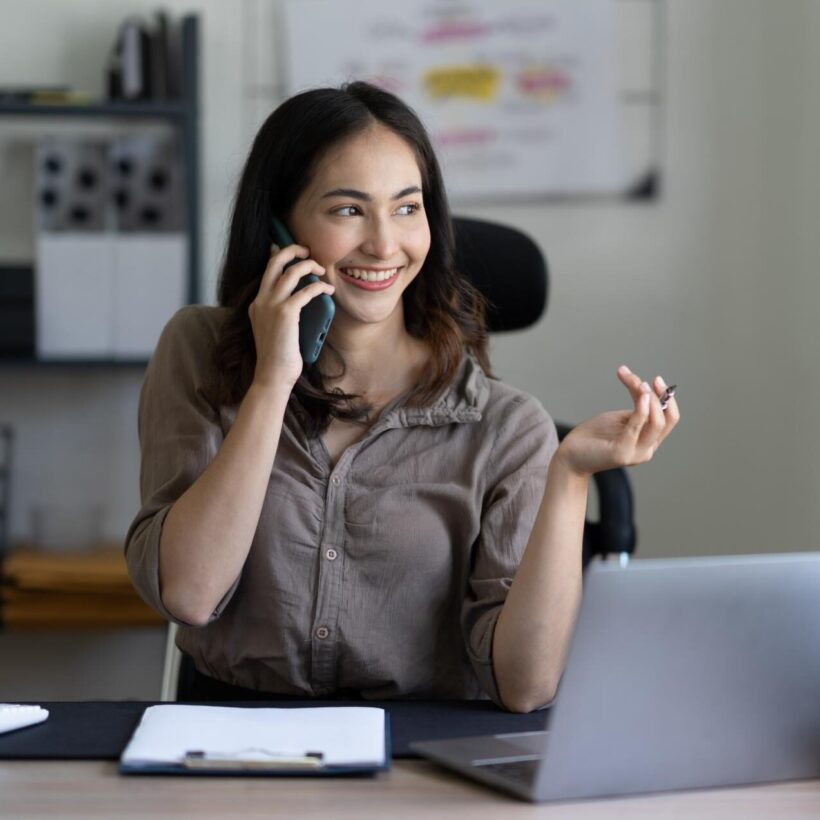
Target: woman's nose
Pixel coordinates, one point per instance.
(381, 241)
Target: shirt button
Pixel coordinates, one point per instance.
(322, 632)
(335, 481)
(331, 555)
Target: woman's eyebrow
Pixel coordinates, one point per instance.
(354, 194)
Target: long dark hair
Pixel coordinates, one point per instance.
(441, 307)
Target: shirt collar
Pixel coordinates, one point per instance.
(462, 402)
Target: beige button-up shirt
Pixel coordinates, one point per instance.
(384, 574)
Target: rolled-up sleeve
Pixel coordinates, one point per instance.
(518, 463)
(180, 433)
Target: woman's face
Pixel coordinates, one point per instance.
(362, 217)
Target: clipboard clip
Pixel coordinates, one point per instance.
(253, 759)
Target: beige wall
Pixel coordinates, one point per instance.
(713, 286)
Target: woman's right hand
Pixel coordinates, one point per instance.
(274, 315)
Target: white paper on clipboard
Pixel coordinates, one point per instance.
(341, 735)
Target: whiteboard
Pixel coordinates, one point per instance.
(522, 99)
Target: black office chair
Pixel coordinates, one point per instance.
(510, 270)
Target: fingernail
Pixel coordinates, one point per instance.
(645, 387)
(660, 382)
(625, 370)
(644, 403)
(274, 248)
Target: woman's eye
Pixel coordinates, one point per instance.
(346, 210)
(408, 208)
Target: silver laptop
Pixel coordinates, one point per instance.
(683, 673)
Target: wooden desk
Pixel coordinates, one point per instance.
(413, 789)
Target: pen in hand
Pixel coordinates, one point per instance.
(667, 395)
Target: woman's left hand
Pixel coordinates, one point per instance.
(621, 438)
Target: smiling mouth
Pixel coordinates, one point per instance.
(370, 275)
(369, 278)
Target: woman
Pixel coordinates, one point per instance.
(352, 527)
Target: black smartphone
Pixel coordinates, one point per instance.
(317, 314)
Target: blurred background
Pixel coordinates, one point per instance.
(711, 283)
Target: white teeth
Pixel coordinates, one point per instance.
(371, 275)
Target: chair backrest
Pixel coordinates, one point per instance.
(507, 267)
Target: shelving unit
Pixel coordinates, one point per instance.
(183, 117)
(171, 109)
(6, 441)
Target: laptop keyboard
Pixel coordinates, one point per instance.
(518, 771)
